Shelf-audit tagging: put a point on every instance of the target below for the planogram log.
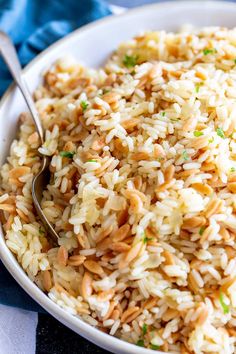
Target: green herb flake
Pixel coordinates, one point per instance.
(92, 160)
(140, 343)
(197, 133)
(209, 51)
(144, 329)
(211, 140)
(201, 230)
(220, 133)
(154, 347)
(68, 154)
(84, 105)
(197, 87)
(146, 239)
(41, 231)
(185, 155)
(163, 114)
(223, 304)
(130, 61)
(234, 61)
(232, 169)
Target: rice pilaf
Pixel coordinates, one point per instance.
(142, 191)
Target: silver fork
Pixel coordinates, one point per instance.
(40, 181)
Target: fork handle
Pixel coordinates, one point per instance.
(8, 52)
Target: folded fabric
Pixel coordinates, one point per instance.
(33, 25)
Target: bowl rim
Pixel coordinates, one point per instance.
(110, 18)
(86, 330)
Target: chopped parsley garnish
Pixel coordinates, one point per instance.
(197, 87)
(84, 105)
(163, 114)
(68, 154)
(130, 61)
(201, 230)
(209, 51)
(144, 329)
(234, 61)
(146, 239)
(220, 133)
(223, 304)
(211, 140)
(41, 231)
(92, 160)
(233, 169)
(105, 91)
(197, 133)
(154, 347)
(140, 343)
(185, 155)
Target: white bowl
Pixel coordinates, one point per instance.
(91, 45)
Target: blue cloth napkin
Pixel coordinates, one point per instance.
(33, 25)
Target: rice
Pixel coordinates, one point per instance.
(142, 191)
